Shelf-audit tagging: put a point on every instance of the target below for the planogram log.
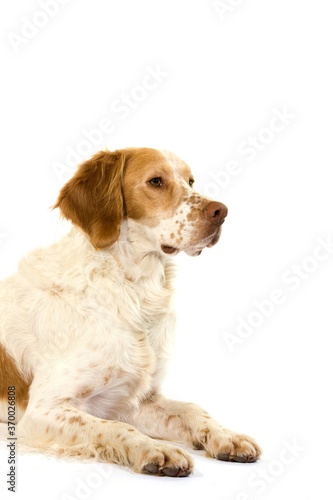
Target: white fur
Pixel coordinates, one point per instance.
(70, 307)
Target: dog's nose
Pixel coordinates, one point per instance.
(216, 212)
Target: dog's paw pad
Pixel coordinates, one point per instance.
(164, 460)
(225, 457)
(150, 469)
(175, 472)
(240, 448)
(228, 446)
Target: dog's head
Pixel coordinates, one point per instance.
(149, 188)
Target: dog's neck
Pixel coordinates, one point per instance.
(136, 254)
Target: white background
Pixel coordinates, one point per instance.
(223, 77)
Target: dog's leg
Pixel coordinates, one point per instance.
(187, 422)
(58, 427)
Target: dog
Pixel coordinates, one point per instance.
(86, 324)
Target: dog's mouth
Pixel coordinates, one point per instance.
(215, 238)
(169, 250)
(196, 249)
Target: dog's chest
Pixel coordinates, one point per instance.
(137, 296)
(128, 308)
(137, 325)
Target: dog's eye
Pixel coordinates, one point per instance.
(156, 182)
(191, 182)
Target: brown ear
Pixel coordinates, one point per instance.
(93, 199)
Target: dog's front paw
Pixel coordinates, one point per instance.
(228, 446)
(164, 460)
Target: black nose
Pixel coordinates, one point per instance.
(216, 212)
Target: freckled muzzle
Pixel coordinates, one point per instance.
(207, 222)
(215, 212)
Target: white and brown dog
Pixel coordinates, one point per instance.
(85, 325)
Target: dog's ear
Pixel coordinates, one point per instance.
(93, 198)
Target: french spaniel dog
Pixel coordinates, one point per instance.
(85, 325)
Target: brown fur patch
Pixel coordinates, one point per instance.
(86, 391)
(108, 375)
(77, 420)
(194, 214)
(93, 200)
(144, 201)
(11, 377)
